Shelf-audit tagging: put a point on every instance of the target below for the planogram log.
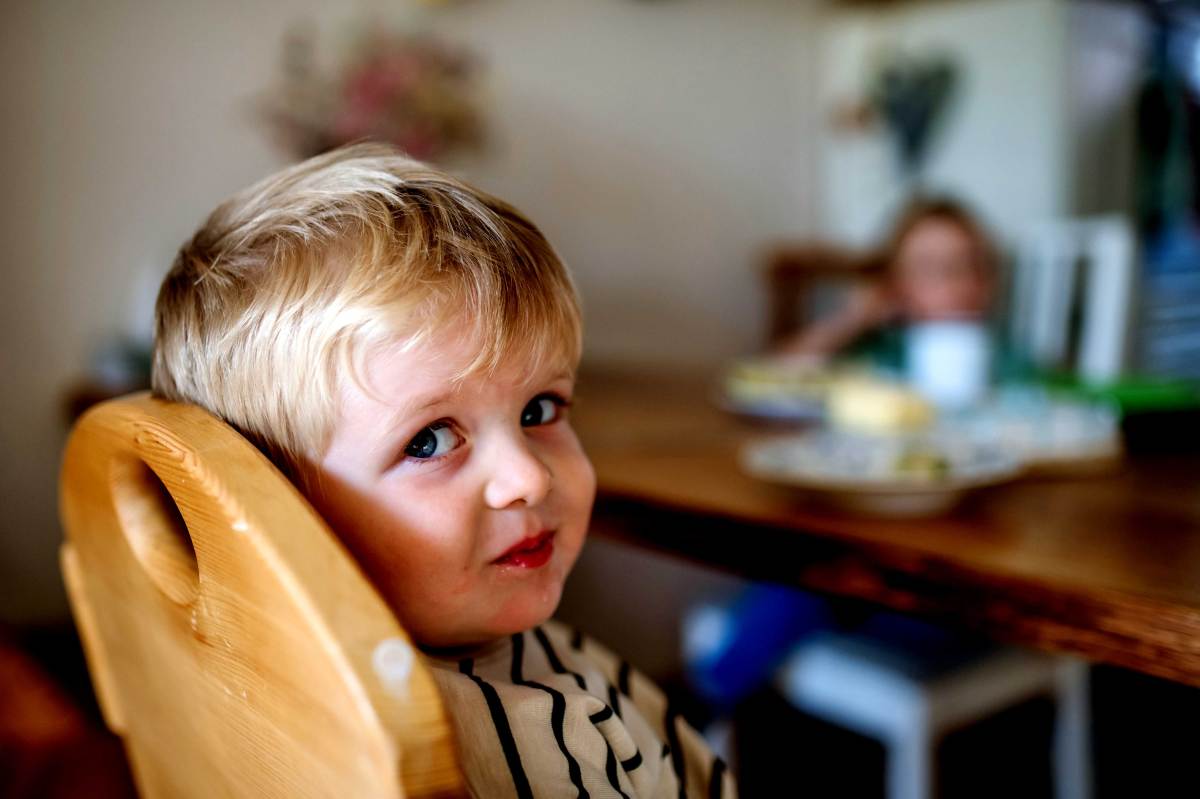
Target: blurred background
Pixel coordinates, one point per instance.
(682, 155)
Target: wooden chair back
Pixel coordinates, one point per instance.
(233, 643)
(793, 272)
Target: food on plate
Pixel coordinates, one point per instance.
(774, 378)
(922, 462)
(778, 389)
(875, 406)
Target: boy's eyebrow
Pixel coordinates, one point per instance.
(416, 405)
(404, 413)
(423, 403)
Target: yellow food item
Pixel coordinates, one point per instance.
(774, 379)
(870, 406)
(922, 463)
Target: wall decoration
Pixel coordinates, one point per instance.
(911, 94)
(908, 96)
(409, 89)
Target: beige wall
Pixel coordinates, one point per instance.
(1004, 143)
(659, 144)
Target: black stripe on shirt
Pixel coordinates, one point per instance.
(558, 713)
(503, 731)
(614, 701)
(552, 658)
(610, 769)
(576, 638)
(716, 779)
(676, 751)
(610, 763)
(604, 714)
(623, 679)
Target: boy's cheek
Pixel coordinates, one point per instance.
(584, 472)
(575, 477)
(580, 490)
(590, 483)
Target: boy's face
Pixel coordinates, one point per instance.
(466, 503)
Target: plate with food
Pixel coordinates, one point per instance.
(775, 388)
(1052, 435)
(899, 476)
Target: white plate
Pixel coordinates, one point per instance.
(774, 409)
(858, 472)
(1051, 435)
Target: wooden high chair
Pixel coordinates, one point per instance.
(794, 272)
(234, 644)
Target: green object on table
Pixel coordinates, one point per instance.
(1133, 394)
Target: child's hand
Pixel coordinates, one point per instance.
(867, 308)
(872, 305)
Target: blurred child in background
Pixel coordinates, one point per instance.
(940, 266)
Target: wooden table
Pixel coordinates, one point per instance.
(1106, 567)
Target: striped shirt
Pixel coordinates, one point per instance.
(548, 713)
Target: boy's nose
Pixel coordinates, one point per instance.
(518, 476)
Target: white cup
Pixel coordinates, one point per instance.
(949, 362)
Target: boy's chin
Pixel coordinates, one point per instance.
(524, 613)
(510, 620)
(528, 615)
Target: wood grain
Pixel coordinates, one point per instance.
(1107, 567)
(233, 642)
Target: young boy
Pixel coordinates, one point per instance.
(404, 346)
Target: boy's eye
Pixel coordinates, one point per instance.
(432, 442)
(541, 410)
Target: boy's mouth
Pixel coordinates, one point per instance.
(529, 553)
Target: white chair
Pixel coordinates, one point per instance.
(859, 686)
(907, 684)
(1077, 272)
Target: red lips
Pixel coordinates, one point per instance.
(529, 553)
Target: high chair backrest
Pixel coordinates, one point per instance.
(234, 644)
(1074, 296)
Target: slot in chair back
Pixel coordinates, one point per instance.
(233, 643)
(1074, 294)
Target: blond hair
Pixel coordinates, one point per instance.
(289, 282)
